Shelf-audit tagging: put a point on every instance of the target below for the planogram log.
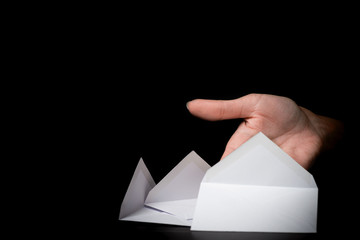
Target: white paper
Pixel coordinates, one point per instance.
(182, 208)
(172, 200)
(257, 188)
(255, 209)
(182, 182)
(140, 185)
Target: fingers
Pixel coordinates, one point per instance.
(241, 135)
(214, 110)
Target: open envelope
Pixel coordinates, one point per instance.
(256, 188)
(172, 200)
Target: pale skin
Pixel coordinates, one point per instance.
(299, 132)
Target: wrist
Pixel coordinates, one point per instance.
(330, 130)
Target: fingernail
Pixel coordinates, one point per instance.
(187, 105)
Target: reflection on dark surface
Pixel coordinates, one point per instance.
(160, 231)
(249, 235)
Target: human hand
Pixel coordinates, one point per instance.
(299, 132)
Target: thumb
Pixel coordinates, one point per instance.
(214, 110)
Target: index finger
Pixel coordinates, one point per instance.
(214, 110)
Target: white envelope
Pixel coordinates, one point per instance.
(257, 188)
(172, 200)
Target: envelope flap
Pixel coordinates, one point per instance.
(140, 185)
(183, 182)
(259, 161)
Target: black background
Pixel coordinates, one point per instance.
(119, 90)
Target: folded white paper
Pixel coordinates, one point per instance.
(172, 200)
(257, 188)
